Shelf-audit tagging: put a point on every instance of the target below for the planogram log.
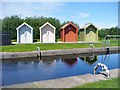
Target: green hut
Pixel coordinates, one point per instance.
(89, 33)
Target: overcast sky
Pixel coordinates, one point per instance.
(101, 14)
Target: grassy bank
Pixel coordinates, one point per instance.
(32, 47)
(111, 83)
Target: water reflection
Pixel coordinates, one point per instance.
(44, 68)
(47, 62)
(88, 60)
(70, 62)
(105, 57)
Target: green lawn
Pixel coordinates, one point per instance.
(111, 83)
(32, 47)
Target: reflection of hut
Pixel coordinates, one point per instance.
(69, 33)
(70, 62)
(7, 61)
(89, 33)
(47, 60)
(5, 38)
(90, 60)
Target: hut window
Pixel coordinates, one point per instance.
(69, 28)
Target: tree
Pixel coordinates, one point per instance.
(37, 22)
(9, 24)
(111, 31)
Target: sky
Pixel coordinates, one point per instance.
(101, 14)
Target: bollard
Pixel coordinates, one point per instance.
(108, 50)
(38, 52)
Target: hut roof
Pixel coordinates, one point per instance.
(70, 23)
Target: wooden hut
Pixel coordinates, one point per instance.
(89, 33)
(24, 33)
(47, 33)
(69, 33)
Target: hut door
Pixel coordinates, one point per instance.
(45, 37)
(24, 37)
(91, 37)
(70, 34)
(48, 36)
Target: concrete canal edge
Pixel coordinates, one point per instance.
(66, 82)
(45, 53)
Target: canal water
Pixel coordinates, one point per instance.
(35, 69)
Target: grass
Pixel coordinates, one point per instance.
(49, 46)
(35, 40)
(111, 83)
(32, 47)
(13, 40)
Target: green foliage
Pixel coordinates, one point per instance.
(112, 31)
(48, 46)
(11, 23)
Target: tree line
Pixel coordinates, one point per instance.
(9, 24)
(111, 31)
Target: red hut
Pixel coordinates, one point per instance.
(69, 33)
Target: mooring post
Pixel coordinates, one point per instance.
(38, 52)
(108, 50)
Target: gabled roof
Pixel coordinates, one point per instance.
(47, 23)
(23, 25)
(70, 23)
(87, 25)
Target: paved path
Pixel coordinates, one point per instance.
(67, 82)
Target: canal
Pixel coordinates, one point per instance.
(23, 70)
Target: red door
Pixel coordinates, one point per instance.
(70, 34)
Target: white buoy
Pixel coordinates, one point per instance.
(91, 45)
